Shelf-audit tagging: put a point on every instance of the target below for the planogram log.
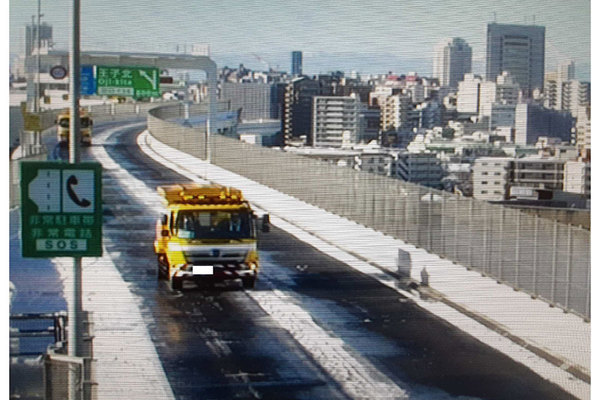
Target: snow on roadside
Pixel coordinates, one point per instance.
(127, 364)
(312, 224)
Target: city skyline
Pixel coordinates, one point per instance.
(374, 38)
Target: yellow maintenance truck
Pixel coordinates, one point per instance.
(208, 234)
(62, 127)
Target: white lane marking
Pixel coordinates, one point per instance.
(356, 375)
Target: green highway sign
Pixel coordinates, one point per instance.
(127, 81)
(61, 209)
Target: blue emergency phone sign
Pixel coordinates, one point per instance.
(88, 83)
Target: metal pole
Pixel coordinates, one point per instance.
(35, 87)
(75, 305)
(429, 222)
(554, 256)
(38, 92)
(485, 264)
(500, 245)
(535, 254)
(569, 262)
(470, 230)
(442, 227)
(517, 250)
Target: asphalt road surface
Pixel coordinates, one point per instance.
(228, 343)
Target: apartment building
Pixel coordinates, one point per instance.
(395, 111)
(491, 178)
(336, 121)
(419, 168)
(577, 177)
(539, 173)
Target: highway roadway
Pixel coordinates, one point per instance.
(313, 328)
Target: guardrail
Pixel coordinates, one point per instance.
(544, 258)
(46, 374)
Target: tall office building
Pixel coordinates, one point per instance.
(518, 49)
(451, 61)
(296, 63)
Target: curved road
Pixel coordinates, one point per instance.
(225, 343)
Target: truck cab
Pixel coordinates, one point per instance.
(63, 127)
(208, 233)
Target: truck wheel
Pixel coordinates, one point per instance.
(176, 283)
(249, 283)
(162, 268)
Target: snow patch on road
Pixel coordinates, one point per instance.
(484, 296)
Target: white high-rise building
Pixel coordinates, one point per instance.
(451, 61)
(467, 98)
(504, 91)
(566, 71)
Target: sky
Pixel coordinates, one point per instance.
(372, 36)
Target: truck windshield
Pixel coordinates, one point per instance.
(194, 224)
(85, 122)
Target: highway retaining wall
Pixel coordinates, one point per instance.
(542, 257)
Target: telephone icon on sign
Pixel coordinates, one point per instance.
(72, 181)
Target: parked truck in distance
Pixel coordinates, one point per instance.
(63, 129)
(208, 234)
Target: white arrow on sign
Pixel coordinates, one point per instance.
(151, 79)
(44, 190)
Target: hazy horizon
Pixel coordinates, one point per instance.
(349, 36)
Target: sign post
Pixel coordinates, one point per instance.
(61, 216)
(75, 305)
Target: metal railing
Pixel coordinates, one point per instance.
(46, 373)
(544, 258)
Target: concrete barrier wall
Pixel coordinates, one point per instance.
(545, 258)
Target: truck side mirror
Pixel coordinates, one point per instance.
(266, 227)
(164, 219)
